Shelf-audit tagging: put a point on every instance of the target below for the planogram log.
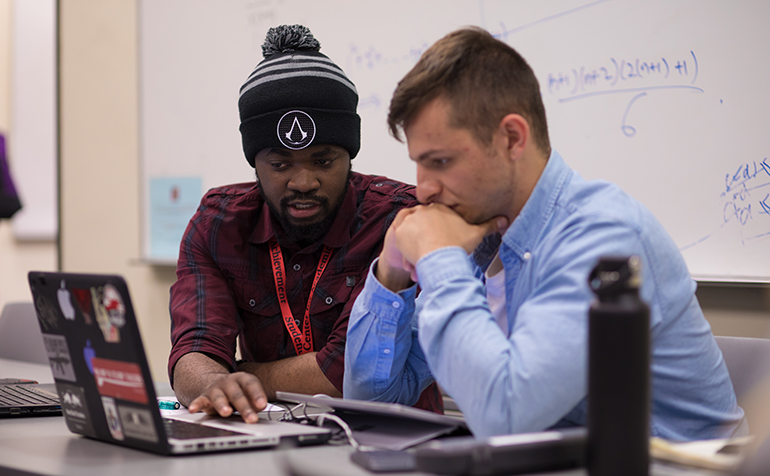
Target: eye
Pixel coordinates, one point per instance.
(324, 162)
(279, 166)
(438, 163)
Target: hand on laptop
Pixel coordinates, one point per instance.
(240, 391)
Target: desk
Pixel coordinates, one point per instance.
(44, 446)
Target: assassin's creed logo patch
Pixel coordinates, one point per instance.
(296, 130)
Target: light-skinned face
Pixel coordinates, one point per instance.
(304, 188)
(454, 169)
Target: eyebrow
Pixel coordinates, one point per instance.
(278, 151)
(428, 154)
(323, 152)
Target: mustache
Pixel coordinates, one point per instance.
(304, 197)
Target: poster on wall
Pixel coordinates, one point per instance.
(173, 201)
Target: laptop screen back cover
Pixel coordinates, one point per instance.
(97, 358)
(104, 383)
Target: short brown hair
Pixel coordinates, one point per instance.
(482, 78)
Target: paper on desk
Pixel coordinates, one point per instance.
(708, 454)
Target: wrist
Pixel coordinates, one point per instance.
(392, 278)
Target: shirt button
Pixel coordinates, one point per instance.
(252, 303)
(386, 351)
(527, 256)
(395, 304)
(329, 300)
(378, 185)
(297, 267)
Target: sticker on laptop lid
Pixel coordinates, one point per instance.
(113, 421)
(88, 356)
(46, 314)
(65, 301)
(75, 408)
(121, 380)
(83, 300)
(137, 423)
(113, 304)
(59, 357)
(110, 332)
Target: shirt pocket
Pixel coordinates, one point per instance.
(331, 296)
(255, 297)
(262, 329)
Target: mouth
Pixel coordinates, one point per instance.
(303, 210)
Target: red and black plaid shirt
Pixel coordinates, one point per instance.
(225, 288)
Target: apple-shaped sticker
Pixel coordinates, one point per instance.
(65, 303)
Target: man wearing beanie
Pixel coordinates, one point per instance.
(277, 264)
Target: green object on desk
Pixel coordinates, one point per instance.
(166, 405)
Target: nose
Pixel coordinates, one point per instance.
(303, 181)
(428, 188)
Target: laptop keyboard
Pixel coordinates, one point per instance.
(183, 430)
(21, 395)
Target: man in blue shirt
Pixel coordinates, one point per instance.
(504, 330)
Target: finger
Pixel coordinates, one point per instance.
(497, 224)
(220, 404)
(402, 214)
(248, 397)
(198, 404)
(202, 404)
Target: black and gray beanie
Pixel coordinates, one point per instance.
(297, 97)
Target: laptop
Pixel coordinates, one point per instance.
(383, 426)
(21, 398)
(104, 384)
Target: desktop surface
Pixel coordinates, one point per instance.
(44, 446)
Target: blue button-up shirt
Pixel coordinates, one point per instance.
(533, 376)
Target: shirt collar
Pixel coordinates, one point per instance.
(525, 230)
(267, 225)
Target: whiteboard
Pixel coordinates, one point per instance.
(668, 99)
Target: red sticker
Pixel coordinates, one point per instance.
(122, 380)
(83, 298)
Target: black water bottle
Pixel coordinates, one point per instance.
(618, 371)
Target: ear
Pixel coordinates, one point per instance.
(515, 133)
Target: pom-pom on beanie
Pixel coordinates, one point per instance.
(297, 97)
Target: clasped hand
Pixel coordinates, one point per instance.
(417, 231)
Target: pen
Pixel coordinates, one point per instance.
(166, 405)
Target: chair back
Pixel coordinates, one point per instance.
(747, 359)
(20, 336)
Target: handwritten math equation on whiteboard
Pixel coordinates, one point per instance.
(746, 200)
(635, 76)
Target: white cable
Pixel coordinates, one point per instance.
(346, 428)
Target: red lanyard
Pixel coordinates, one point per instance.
(303, 341)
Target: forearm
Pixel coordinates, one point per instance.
(300, 374)
(193, 373)
(383, 360)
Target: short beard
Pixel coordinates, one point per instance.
(306, 235)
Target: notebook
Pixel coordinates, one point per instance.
(104, 383)
(24, 398)
(385, 426)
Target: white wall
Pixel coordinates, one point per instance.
(16, 257)
(100, 160)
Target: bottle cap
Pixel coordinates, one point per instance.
(616, 275)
